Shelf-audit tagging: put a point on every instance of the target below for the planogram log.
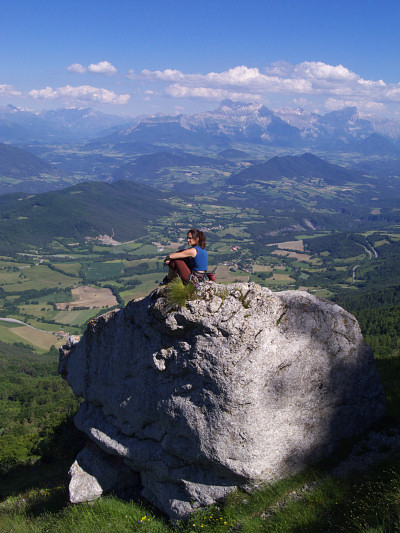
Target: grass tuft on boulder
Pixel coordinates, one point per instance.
(179, 293)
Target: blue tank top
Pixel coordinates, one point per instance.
(200, 262)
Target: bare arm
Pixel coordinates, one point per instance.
(189, 252)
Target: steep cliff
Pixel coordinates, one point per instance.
(239, 387)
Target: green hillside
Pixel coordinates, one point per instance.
(21, 170)
(120, 209)
(15, 162)
(34, 401)
(304, 166)
(148, 166)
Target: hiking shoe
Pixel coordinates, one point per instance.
(165, 281)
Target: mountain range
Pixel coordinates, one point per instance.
(230, 122)
(255, 123)
(70, 124)
(67, 146)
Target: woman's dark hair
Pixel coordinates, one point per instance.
(198, 234)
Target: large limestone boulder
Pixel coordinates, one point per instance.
(240, 387)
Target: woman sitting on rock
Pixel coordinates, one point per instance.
(191, 263)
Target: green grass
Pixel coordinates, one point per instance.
(145, 249)
(149, 283)
(107, 270)
(8, 278)
(75, 317)
(310, 502)
(39, 341)
(236, 231)
(130, 294)
(7, 334)
(37, 277)
(71, 268)
(10, 325)
(130, 246)
(179, 293)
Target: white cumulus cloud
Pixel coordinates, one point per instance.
(103, 67)
(333, 104)
(238, 77)
(165, 75)
(315, 80)
(316, 70)
(82, 93)
(8, 90)
(77, 67)
(207, 93)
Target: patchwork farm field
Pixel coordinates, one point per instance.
(90, 297)
(16, 333)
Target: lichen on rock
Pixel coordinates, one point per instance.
(239, 387)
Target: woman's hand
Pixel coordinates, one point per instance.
(167, 260)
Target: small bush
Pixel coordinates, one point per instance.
(242, 299)
(179, 293)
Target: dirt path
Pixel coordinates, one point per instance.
(354, 272)
(371, 247)
(370, 251)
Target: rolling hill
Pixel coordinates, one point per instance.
(120, 209)
(22, 171)
(149, 166)
(17, 163)
(298, 167)
(232, 153)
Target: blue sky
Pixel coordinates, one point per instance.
(129, 57)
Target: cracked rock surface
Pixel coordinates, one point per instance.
(240, 387)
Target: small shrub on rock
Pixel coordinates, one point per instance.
(179, 293)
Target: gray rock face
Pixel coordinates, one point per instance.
(240, 387)
(94, 473)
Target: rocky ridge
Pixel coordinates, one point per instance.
(256, 123)
(240, 387)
